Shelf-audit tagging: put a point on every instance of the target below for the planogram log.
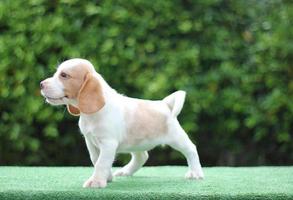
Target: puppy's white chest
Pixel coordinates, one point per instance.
(96, 127)
(86, 126)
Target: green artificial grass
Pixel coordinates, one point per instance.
(149, 183)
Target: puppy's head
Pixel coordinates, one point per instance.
(74, 84)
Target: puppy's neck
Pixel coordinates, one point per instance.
(105, 86)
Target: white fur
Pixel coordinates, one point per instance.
(175, 101)
(105, 130)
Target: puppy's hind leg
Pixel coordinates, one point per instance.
(182, 143)
(138, 159)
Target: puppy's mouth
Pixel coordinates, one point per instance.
(55, 98)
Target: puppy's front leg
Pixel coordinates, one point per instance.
(103, 165)
(93, 150)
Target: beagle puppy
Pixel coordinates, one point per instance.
(112, 123)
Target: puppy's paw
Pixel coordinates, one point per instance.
(122, 172)
(95, 183)
(194, 174)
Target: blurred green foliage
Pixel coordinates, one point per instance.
(234, 59)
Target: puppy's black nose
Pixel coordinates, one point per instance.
(42, 85)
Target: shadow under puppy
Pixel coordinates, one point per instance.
(112, 123)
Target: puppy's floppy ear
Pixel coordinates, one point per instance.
(73, 110)
(90, 97)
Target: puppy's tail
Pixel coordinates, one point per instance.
(175, 102)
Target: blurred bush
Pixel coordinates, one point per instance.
(234, 59)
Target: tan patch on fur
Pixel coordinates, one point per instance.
(84, 87)
(90, 96)
(145, 122)
(77, 77)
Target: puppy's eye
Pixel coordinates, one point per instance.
(64, 75)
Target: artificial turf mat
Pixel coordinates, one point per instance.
(148, 183)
